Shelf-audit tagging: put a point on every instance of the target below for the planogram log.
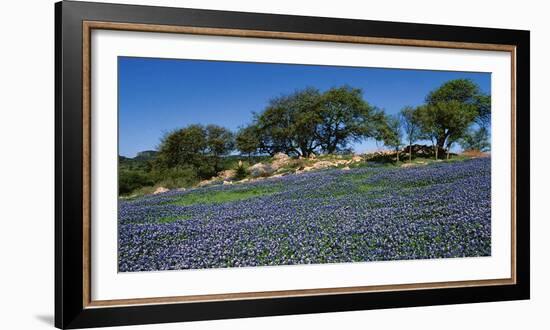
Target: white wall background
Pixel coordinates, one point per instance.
(27, 163)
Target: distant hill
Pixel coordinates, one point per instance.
(140, 162)
(146, 155)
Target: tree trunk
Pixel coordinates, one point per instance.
(441, 141)
(410, 152)
(440, 144)
(448, 152)
(436, 150)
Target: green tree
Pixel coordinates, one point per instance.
(183, 146)
(306, 118)
(477, 140)
(392, 135)
(288, 124)
(445, 122)
(240, 171)
(410, 121)
(247, 141)
(130, 180)
(197, 146)
(345, 117)
(307, 121)
(450, 110)
(220, 142)
(483, 104)
(466, 92)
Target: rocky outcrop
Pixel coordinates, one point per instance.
(279, 160)
(226, 175)
(160, 190)
(419, 149)
(261, 170)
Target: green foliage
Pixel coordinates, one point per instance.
(195, 146)
(447, 121)
(130, 180)
(309, 122)
(461, 90)
(483, 105)
(183, 146)
(450, 110)
(410, 121)
(477, 140)
(175, 177)
(247, 140)
(224, 196)
(137, 177)
(219, 140)
(391, 133)
(240, 172)
(306, 117)
(142, 162)
(345, 117)
(288, 124)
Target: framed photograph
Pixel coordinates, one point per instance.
(215, 164)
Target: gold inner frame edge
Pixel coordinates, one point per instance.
(88, 26)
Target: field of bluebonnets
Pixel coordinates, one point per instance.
(363, 214)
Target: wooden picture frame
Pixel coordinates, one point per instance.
(74, 307)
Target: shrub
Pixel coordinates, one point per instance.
(130, 180)
(177, 177)
(240, 172)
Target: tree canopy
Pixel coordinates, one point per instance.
(478, 140)
(466, 92)
(308, 122)
(288, 124)
(196, 146)
(345, 117)
(247, 140)
(450, 110)
(391, 134)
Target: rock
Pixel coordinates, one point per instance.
(206, 182)
(356, 159)
(280, 155)
(261, 170)
(312, 156)
(227, 174)
(227, 182)
(408, 165)
(160, 190)
(422, 150)
(280, 160)
(345, 168)
(243, 180)
(323, 164)
(182, 189)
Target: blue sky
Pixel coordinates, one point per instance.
(159, 95)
